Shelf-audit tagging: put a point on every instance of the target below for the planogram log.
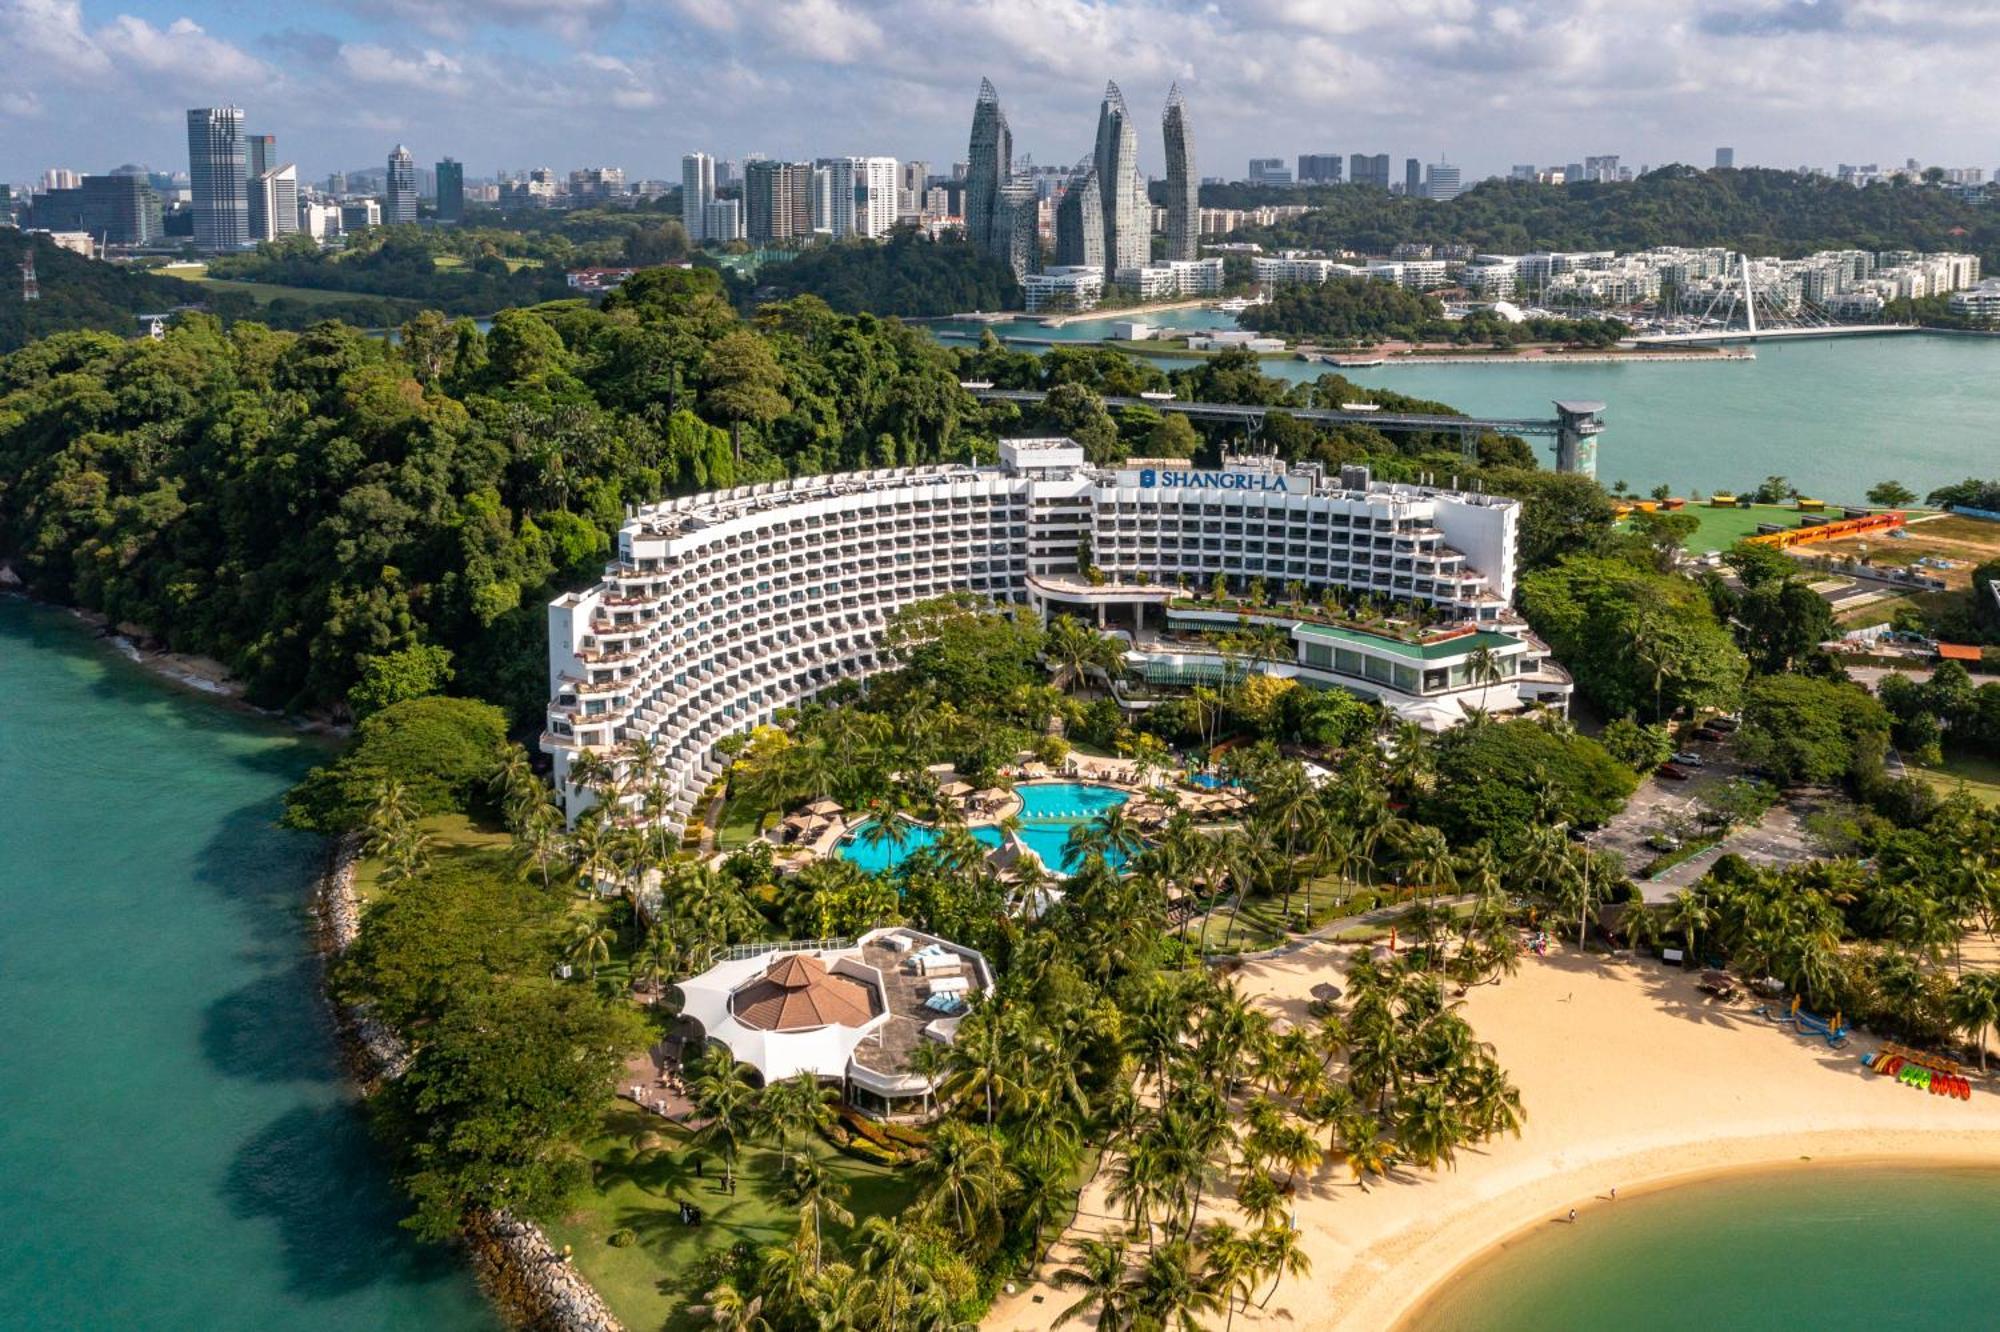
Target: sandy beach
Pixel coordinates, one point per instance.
(1632, 1079)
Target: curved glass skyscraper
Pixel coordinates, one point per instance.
(1080, 220)
(990, 158)
(1126, 223)
(1183, 186)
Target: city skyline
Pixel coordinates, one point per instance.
(497, 84)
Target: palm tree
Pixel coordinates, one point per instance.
(963, 1181)
(1690, 916)
(793, 1107)
(589, 944)
(983, 1056)
(1282, 1257)
(727, 1310)
(1099, 1272)
(1975, 1007)
(722, 1095)
(1140, 1184)
(1367, 1151)
(1230, 1266)
(1169, 1291)
(808, 1186)
(892, 1256)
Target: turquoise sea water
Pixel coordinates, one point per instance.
(177, 1150)
(1833, 415)
(1789, 1251)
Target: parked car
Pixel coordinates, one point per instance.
(1673, 773)
(1710, 734)
(1664, 842)
(1723, 724)
(1687, 758)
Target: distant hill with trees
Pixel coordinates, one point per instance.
(79, 293)
(1764, 212)
(909, 274)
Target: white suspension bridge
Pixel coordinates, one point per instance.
(1739, 312)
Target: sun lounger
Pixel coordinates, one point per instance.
(944, 1003)
(949, 985)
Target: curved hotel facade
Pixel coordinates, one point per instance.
(724, 607)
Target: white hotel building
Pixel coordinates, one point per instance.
(719, 609)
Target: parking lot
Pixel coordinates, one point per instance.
(1661, 804)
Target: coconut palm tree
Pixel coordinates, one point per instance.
(1690, 916)
(1170, 1292)
(722, 1095)
(726, 1310)
(793, 1108)
(1099, 1273)
(1231, 1267)
(1366, 1150)
(892, 1257)
(589, 945)
(807, 1185)
(963, 1181)
(1975, 1007)
(1282, 1257)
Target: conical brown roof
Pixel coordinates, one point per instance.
(798, 993)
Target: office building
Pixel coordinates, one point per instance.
(777, 199)
(260, 154)
(697, 193)
(399, 188)
(1522, 171)
(1413, 177)
(114, 210)
(451, 191)
(1183, 186)
(1725, 159)
(217, 183)
(1319, 169)
(320, 220)
(60, 178)
(1367, 169)
(1080, 223)
(274, 203)
(1269, 171)
(1127, 214)
(1441, 181)
(989, 166)
(359, 214)
(1601, 168)
(719, 609)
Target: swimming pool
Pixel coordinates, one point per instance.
(1069, 802)
(1048, 811)
(878, 856)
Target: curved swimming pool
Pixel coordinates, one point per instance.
(1048, 811)
(880, 855)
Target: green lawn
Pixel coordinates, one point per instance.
(452, 835)
(1722, 528)
(264, 292)
(649, 1283)
(739, 826)
(1263, 922)
(1980, 777)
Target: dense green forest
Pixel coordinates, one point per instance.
(1757, 211)
(79, 293)
(909, 275)
(1364, 310)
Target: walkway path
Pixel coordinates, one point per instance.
(1382, 915)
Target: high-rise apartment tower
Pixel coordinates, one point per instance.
(1183, 185)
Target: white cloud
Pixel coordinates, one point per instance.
(429, 71)
(48, 35)
(181, 49)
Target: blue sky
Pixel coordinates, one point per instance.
(634, 83)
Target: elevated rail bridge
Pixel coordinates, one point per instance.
(1574, 428)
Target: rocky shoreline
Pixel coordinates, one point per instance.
(528, 1278)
